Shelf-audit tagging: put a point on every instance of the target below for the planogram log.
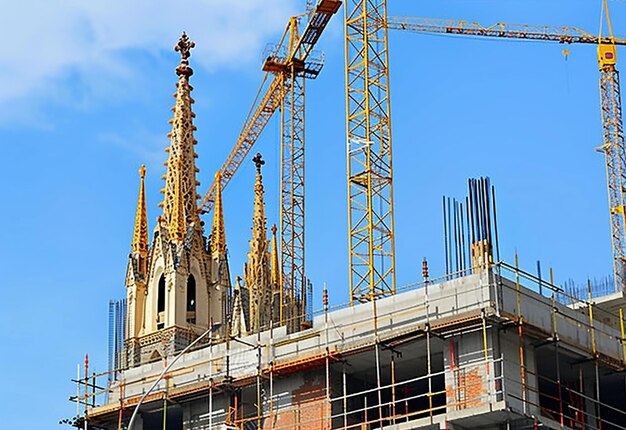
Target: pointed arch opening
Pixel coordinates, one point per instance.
(191, 299)
(155, 356)
(161, 303)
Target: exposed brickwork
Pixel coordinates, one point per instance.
(468, 390)
(308, 407)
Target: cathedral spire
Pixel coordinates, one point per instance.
(180, 181)
(258, 277)
(259, 228)
(140, 232)
(218, 235)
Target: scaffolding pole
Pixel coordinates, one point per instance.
(121, 412)
(258, 381)
(621, 325)
(271, 372)
(86, 387)
(377, 357)
(393, 388)
(327, 414)
(520, 320)
(211, 383)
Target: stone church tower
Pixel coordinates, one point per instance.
(178, 287)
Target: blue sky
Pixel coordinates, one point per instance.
(85, 95)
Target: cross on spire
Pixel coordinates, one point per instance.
(184, 46)
(258, 161)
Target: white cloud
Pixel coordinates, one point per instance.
(47, 40)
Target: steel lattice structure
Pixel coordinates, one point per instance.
(610, 100)
(517, 31)
(268, 99)
(292, 192)
(615, 157)
(370, 214)
(290, 63)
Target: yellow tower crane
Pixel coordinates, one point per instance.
(368, 123)
(287, 65)
(610, 100)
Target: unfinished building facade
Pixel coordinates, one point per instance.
(482, 350)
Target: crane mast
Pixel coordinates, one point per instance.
(610, 100)
(288, 64)
(293, 286)
(613, 149)
(370, 211)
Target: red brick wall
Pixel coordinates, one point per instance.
(467, 391)
(308, 408)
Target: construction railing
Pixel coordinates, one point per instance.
(502, 293)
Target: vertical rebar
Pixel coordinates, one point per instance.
(495, 222)
(483, 211)
(445, 235)
(468, 249)
(463, 253)
(450, 234)
(487, 211)
(456, 235)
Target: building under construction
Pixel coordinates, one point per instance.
(487, 345)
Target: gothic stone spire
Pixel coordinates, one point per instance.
(277, 296)
(140, 232)
(258, 269)
(181, 168)
(218, 234)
